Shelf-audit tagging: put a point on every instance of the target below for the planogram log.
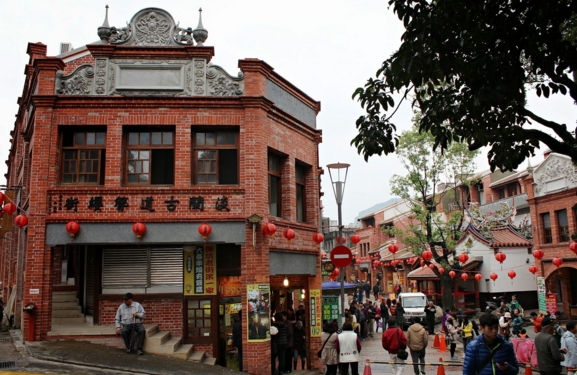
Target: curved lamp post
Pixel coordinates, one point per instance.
(340, 171)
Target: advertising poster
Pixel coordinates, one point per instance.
(331, 309)
(316, 317)
(200, 270)
(230, 286)
(541, 295)
(551, 302)
(258, 312)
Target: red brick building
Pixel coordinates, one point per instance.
(142, 128)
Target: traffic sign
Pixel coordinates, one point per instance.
(341, 256)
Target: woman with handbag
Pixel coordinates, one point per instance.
(451, 336)
(328, 352)
(395, 342)
(348, 347)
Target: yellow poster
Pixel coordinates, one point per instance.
(258, 312)
(316, 318)
(200, 270)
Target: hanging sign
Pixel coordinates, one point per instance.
(316, 317)
(331, 309)
(200, 270)
(541, 295)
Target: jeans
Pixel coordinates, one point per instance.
(418, 356)
(331, 369)
(128, 330)
(371, 327)
(281, 355)
(397, 370)
(431, 326)
(344, 368)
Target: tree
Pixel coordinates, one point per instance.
(468, 66)
(433, 178)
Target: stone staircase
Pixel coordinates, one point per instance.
(161, 343)
(66, 309)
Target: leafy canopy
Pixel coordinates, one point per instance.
(468, 66)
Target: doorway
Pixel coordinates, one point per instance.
(201, 321)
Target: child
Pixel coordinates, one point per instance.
(523, 333)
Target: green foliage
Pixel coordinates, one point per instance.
(468, 66)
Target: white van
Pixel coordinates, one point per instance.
(414, 305)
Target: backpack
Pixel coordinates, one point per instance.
(558, 333)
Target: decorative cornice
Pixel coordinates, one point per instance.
(44, 100)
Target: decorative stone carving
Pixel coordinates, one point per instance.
(220, 83)
(555, 168)
(200, 33)
(79, 82)
(101, 74)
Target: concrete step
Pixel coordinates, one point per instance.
(70, 320)
(183, 352)
(157, 339)
(64, 296)
(69, 312)
(209, 361)
(59, 305)
(167, 348)
(197, 356)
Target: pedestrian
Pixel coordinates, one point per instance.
(329, 354)
(505, 324)
(489, 354)
(367, 288)
(503, 308)
(129, 318)
(371, 316)
(558, 330)
(394, 339)
(418, 339)
(515, 304)
(400, 315)
(363, 320)
(376, 290)
(348, 347)
(517, 322)
(549, 355)
(569, 342)
(397, 290)
(385, 313)
(392, 308)
(446, 316)
(466, 332)
(290, 325)
(300, 346)
(430, 312)
(279, 343)
(451, 336)
(536, 320)
(237, 337)
(523, 333)
(377, 316)
(300, 314)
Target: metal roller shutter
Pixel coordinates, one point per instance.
(166, 267)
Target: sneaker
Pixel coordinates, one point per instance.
(454, 357)
(127, 351)
(140, 352)
(423, 372)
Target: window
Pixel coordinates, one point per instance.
(481, 191)
(547, 234)
(563, 225)
(501, 193)
(83, 157)
(300, 175)
(274, 185)
(216, 158)
(150, 158)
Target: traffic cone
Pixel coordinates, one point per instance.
(443, 344)
(367, 368)
(441, 367)
(436, 343)
(528, 369)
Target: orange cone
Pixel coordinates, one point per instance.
(528, 369)
(443, 344)
(436, 343)
(441, 367)
(367, 368)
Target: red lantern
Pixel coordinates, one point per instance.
(500, 257)
(289, 234)
(342, 239)
(512, 274)
(21, 221)
(376, 263)
(427, 255)
(72, 228)
(204, 229)
(441, 270)
(323, 254)
(269, 229)
(557, 261)
(452, 274)
(10, 208)
(432, 266)
(494, 276)
(422, 263)
(478, 277)
(393, 248)
(139, 228)
(336, 272)
(573, 247)
(538, 254)
(358, 261)
(533, 269)
(2, 198)
(464, 276)
(463, 258)
(355, 238)
(318, 238)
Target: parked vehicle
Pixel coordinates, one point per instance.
(414, 305)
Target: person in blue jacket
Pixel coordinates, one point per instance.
(489, 353)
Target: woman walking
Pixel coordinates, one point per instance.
(400, 315)
(329, 355)
(452, 332)
(467, 332)
(349, 347)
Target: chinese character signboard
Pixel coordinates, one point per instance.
(200, 270)
(541, 295)
(551, 302)
(258, 312)
(316, 318)
(331, 308)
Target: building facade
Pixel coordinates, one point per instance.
(142, 128)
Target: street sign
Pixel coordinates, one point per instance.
(341, 256)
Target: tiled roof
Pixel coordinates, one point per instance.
(422, 273)
(507, 237)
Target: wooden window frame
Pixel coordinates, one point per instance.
(216, 147)
(147, 147)
(563, 230)
(301, 172)
(275, 177)
(79, 148)
(547, 231)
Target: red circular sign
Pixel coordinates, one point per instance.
(341, 256)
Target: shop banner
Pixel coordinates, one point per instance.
(316, 318)
(551, 301)
(541, 295)
(331, 309)
(230, 286)
(258, 312)
(200, 270)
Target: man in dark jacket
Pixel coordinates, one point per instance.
(490, 354)
(549, 355)
(430, 311)
(237, 338)
(279, 343)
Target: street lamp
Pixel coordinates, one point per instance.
(340, 170)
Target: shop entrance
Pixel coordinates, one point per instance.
(201, 321)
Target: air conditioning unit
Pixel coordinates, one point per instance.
(65, 47)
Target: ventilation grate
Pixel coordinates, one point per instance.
(6, 340)
(7, 364)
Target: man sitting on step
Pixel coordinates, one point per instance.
(129, 321)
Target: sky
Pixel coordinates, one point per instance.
(325, 48)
